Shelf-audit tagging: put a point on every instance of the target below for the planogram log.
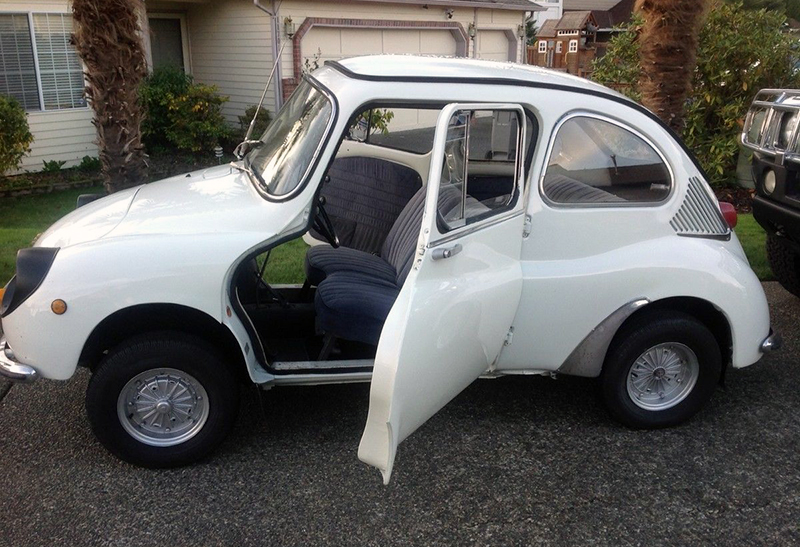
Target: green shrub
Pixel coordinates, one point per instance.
(262, 121)
(89, 164)
(740, 52)
(180, 113)
(15, 135)
(52, 166)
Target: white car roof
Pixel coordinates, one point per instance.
(420, 66)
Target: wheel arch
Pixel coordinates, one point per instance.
(589, 357)
(143, 318)
(702, 310)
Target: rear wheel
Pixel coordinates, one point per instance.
(785, 264)
(660, 370)
(162, 400)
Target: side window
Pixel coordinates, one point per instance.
(594, 161)
(481, 166)
(406, 129)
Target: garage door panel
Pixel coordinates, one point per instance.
(335, 43)
(326, 40)
(492, 45)
(401, 41)
(361, 41)
(437, 42)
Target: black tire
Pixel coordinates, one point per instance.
(639, 335)
(162, 350)
(785, 264)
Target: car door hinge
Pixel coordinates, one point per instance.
(509, 337)
(527, 227)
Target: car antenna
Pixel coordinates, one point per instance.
(240, 149)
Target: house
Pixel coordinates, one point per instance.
(581, 35)
(232, 44)
(553, 9)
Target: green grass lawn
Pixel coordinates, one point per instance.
(23, 218)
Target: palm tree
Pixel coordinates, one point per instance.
(668, 52)
(108, 39)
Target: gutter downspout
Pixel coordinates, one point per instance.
(275, 45)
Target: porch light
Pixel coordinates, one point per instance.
(521, 31)
(288, 27)
(471, 30)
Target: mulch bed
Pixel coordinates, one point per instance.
(741, 198)
(162, 165)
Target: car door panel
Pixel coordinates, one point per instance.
(449, 322)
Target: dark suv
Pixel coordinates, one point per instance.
(771, 132)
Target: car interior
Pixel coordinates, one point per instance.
(363, 240)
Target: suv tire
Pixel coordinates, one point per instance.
(162, 399)
(785, 264)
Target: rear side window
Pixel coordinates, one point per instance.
(594, 161)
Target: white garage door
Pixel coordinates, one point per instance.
(492, 45)
(336, 43)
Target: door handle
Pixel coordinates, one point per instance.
(446, 252)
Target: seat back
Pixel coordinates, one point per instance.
(400, 245)
(364, 196)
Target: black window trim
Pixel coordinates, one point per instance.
(609, 205)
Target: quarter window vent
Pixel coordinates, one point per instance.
(699, 214)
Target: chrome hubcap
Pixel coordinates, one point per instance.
(163, 407)
(663, 376)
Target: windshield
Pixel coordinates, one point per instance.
(291, 141)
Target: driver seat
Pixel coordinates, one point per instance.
(394, 260)
(357, 289)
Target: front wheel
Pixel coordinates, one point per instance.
(660, 370)
(162, 400)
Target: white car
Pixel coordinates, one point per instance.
(482, 220)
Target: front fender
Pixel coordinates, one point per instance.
(99, 278)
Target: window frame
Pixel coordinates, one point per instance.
(559, 46)
(542, 46)
(610, 205)
(488, 218)
(573, 43)
(31, 35)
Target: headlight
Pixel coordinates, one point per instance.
(32, 267)
(769, 182)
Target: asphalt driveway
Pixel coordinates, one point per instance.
(516, 461)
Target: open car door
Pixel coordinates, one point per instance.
(454, 312)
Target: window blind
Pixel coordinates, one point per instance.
(17, 67)
(60, 67)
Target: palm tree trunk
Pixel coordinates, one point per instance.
(108, 39)
(668, 53)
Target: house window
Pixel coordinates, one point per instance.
(573, 46)
(594, 161)
(558, 47)
(40, 68)
(542, 46)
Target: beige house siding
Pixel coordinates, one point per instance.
(229, 47)
(61, 135)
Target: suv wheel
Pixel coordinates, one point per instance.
(162, 400)
(785, 264)
(660, 370)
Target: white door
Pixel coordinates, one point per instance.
(454, 312)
